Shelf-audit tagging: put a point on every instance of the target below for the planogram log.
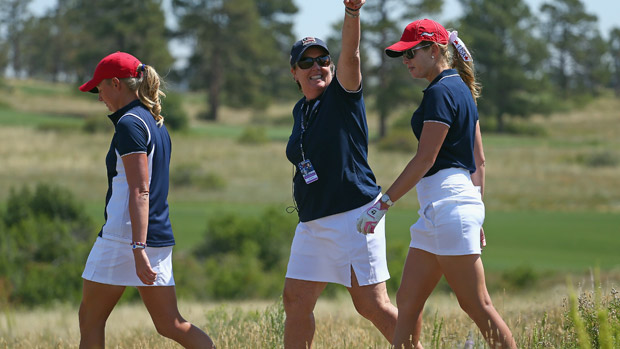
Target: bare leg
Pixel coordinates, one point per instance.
(373, 303)
(161, 302)
(299, 299)
(420, 276)
(98, 300)
(465, 274)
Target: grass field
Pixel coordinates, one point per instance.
(537, 319)
(553, 207)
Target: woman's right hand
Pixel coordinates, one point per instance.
(354, 4)
(145, 273)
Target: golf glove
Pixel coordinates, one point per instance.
(370, 218)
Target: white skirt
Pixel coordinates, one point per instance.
(112, 262)
(325, 249)
(451, 214)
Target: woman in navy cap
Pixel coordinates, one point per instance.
(333, 184)
(134, 246)
(448, 173)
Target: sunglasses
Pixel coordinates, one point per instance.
(308, 62)
(410, 53)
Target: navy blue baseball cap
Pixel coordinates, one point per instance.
(302, 45)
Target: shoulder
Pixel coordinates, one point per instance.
(438, 91)
(336, 86)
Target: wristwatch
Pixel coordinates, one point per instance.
(386, 199)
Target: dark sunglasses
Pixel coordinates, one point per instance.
(308, 62)
(410, 53)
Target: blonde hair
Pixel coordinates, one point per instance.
(465, 69)
(147, 85)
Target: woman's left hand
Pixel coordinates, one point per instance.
(145, 273)
(354, 4)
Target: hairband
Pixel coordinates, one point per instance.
(141, 70)
(460, 46)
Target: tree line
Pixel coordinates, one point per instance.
(529, 60)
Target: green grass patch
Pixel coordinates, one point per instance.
(217, 130)
(544, 241)
(9, 117)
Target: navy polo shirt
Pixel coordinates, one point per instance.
(136, 131)
(448, 100)
(336, 143)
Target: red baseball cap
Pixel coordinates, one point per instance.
(117, 65)
(415, 33)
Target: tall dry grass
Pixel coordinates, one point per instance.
(538, 319)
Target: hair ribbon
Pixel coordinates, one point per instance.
(460, 46)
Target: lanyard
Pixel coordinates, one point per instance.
(306, 112)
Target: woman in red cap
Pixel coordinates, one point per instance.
(134, 246)
(448, 173)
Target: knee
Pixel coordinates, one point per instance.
(170, 328)
(87, 321)
(476, 308)
(407, 304)
(296, 304)
(372, 308)
(403, 299)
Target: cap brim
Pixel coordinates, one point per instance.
(397, 49)
(90, 86)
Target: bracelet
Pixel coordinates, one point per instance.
(352, 9)
(350, 14)
(138, 245)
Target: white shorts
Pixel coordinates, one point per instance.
(451, 214)
(325, 249)
(111, 262)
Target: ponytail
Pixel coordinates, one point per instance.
(467, 73)
(464, 64)
(147, 85)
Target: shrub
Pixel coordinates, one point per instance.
(174, 114)
(97, 124)
(43, 245)
(399, 141)
(592, 320)
(519, 278)
(603, 158)
(190, 175)
(253, 135)
(246, 256)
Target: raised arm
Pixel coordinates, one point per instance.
(349, 68)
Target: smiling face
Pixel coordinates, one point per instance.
(315, 79)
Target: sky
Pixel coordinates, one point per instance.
(315, 17)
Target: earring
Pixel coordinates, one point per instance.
(432, 57)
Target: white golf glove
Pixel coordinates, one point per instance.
(370, 218)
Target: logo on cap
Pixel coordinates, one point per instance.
(307, 41)
(427, 34)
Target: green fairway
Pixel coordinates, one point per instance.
(557, 241)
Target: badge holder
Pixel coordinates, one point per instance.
(307, 171)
